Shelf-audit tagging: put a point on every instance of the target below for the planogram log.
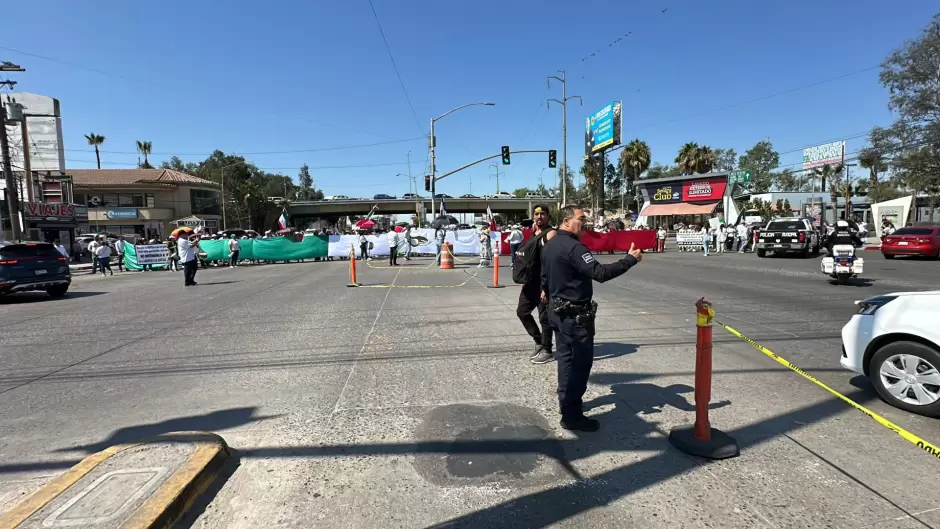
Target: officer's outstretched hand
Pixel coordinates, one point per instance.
(636, 252)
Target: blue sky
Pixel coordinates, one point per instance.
(258, 78)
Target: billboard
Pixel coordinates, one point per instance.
(665, 193)
(705, 189)
(602, 129)
(825, 154)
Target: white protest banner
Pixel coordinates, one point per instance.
(685, 239)
(151, 254)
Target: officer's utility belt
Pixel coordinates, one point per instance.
(582, 312)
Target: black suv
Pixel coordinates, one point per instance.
(28, 266)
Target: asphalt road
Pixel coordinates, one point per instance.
(415, 405)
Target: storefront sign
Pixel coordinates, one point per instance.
(665, 193)
(81, 214)
(701, 190)
(151, 254)
(40, 211)
(121, 213)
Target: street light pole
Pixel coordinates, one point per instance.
(564, 129)
(433, 145)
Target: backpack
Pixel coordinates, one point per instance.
(528, 262)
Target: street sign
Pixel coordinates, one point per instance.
(741, 176)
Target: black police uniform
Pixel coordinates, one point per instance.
(568, 268)
(844, 236)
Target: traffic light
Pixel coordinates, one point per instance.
(427, 183)
(505, 154)
(552, 161)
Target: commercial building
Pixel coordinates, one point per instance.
(687, 199)
(146, 202)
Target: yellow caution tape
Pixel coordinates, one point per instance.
(422, 286)
(917, 441)
(407, 268)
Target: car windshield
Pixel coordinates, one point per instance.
(915, 231)
(17, 251)
(785, 225)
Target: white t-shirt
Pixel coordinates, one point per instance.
(233, 245)
(103, 251)
(186, 250)
(119, 246)
(93, 247)
(392, 239)
(515, 237)
(742, 230)
(661, 233)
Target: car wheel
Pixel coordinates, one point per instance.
(58, 291)
(905, 375)
(761, 253)
(888, 256)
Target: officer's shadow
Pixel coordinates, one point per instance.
(644, 398)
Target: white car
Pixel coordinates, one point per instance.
(894, 340)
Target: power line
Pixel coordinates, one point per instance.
(762, 98)
(395, 66)
(321, 149)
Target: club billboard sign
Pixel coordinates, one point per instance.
(825, 154)
(602, 129)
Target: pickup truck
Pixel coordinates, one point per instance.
(788, 236)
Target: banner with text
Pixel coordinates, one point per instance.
(151, 254)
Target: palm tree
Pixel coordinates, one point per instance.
(686, 160)
(831, 174)
(875, 163)
(705, 159)
(95, 140)
(634, 160)
(145, 148)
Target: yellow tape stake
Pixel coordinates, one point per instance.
(917, 441)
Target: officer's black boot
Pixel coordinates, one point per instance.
(580, 423)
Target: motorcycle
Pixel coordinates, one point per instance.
(843, 264)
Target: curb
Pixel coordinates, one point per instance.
(167, 504)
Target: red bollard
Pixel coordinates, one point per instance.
(700, 439)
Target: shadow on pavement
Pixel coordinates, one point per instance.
(604, 351)
(38, 297)
(642, 397)
(621, 430)
(209, 422)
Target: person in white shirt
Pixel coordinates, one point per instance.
(720, 239)
(363, 246)
(61, 249)
(706, 239)
(103, 251)
(187, 252)
(233, 250)
(515, 240)
(742, 237)
(392, 248)
(119, 251)
(661, 239)
(93, 250)
(406, 241)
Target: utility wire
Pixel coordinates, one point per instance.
(321, 149)
(395, 66)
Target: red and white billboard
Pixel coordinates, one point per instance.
(705, 189)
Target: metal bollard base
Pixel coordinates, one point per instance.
(350, 285)
(495, 286)
(721, 445)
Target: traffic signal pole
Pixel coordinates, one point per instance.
(433, 168)
(481, 160)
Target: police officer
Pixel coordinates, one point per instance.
(844, 235)
(567, 271)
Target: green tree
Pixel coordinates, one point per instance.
(521, 192)
(705, 159)
(725, 160)
(831, 175)
(761, 159)
(565, 175)
(658, 170)
(307, 191)
(176, 164)
(634, 161)
(872, 159)
(145, 148)
(913, 142)
(95, 140)
(787, 180)
(687, 159)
